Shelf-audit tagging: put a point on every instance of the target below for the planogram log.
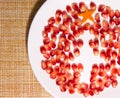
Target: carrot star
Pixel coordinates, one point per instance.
(87, 15)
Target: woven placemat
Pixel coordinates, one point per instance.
(16, 76)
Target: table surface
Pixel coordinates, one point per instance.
(16, 76)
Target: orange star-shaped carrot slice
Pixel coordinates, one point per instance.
(87, 15)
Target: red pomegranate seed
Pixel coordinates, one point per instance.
(75, 7)
(96, 42)
(69, 76)
(102, 73)
(53, 37)
(92, 5)
(107, 83)
(114, 71)
(43, 49)
(96, 51)
(86, 93)
(80, 43)
(91, 92)
(78, 22)
(67, 48)
(118, 71)
(97, 25)
(63, 55)
(57, 20)
(71, 37)
(107, 67)
(62, 27)
(105, 25)
(43, 65)
(86, 26)
(113, 62)
(53, 75)
(82, 6)
(76, 74)
(49, 70)
(67, 42)
(80, 67)
(72, 90)
(117, 13)
(52, 44)
(97, 17)
(67, 67)
(91, 43)
(71, 57)
(53, 61)
(66, 59)
(58, 13)
(75, 44)
(93, 73)
(101, 67)
(51, 20)
(47, 29)
(113, 77)
(105, 14)
(46, 40)
(95, 67)
(114, 83)
(73, 27)
(82, 87)
(105, 44)
(117, 21)
(80, 30)
(68, 8)
(76, 52)
(62, 37)
(60, 46)
(102, 53)
(63, 88)
(93, 78)
(107, 57)
(101, 8)
(46, 55)
(76, 34)
(74, 15)
(74, 67)
(60, 80)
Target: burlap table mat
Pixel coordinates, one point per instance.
(16, 76)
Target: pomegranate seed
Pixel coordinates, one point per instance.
(102, 73)
(62, 27)
(97, 17)
(74, 15)
(43, 65)
(95, 67)
(76, 33)
(76, 52)
(47, 29)
(57, 20)
(91, 93)
(46, 40)
(117, 13)
(49, 70)
(101, 8)
(67, 67)
(96, 51)
(67, 48)
(71, 90)
(71, 57)
(113, 77)
(63, 88)
(102, 53)
(114, 83)
(78, 22)
(67, 42)
(101, 67)
(58, 13)
(105, 25)
(76, 74)
(62, 37)
(53, 37)
(63, 55)
(80, 67)
(80, 30)
(43, 49)
(71, 37)
(80, 43)
(52, 44)
(118, 71)
(93, 78)
(105, 44)
(107, 67)
(55, 30)
(86, 26)
(53, 61)
(69, 76)
(107, 57)
(96, 42)
(74, 67)
(44, 34)
(92, 5)
(46, 55)
(75, 44)
(93, 73)
(91, 43)
(51, 20)
(86, 93)
(117, 21)
(60, 46)
(53, 75)
(75, 7)
(107, 83)
(113, 62)
(82, 6)
(73, 27)
(97, 25)
(66, 59)
(68, 8)
(105, 14)
(114, 71)
(60, 80)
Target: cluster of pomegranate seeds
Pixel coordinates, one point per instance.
(62, 44)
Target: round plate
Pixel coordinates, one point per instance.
(35, 41)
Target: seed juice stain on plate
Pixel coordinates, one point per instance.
(74, 50)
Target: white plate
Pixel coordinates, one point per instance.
(35, 41)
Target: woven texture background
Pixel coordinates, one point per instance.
(16, 76)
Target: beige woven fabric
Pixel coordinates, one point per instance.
(16, 77)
